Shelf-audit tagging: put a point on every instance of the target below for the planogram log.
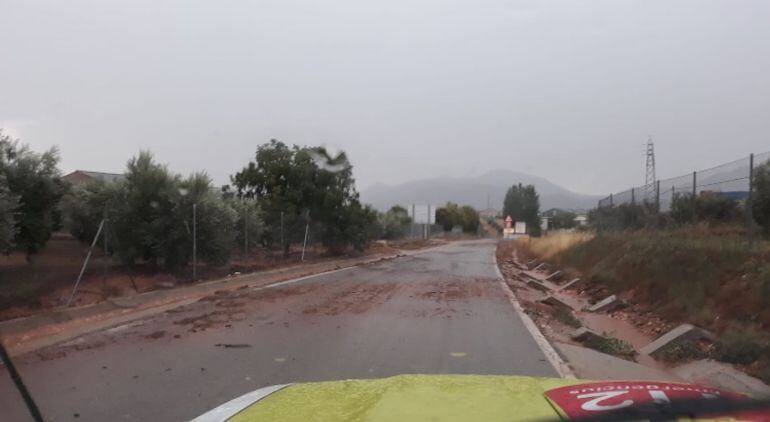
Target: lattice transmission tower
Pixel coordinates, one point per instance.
(649, 176)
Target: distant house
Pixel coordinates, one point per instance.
(581, 219)
(82, 177)
(737, 196)
(489, 213)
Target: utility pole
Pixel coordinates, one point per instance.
(649, 175)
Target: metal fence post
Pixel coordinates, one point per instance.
(245, 232)
(104, 258)
(673, 194)
(195, 244)
(304, 242)
(85, 263)
(750, 200)
(633, 196)
(694, 183)
(281, 230)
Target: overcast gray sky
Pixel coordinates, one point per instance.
(410, 89)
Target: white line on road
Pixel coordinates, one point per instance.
(561, 367)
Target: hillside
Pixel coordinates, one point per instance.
(473, 191)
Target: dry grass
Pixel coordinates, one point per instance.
(708, 276)
(548, 246)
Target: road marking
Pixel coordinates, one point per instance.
(279, 360)
(458, 354)
(561, 367)
(295, 280)
(231, 408)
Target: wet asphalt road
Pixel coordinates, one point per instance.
(442, 311)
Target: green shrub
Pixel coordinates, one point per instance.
(683, 352)
(625, 217)
(395, 223)
(565, 317)
(612, 346)
(740, 345)
(451, 215)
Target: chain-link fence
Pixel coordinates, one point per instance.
(731, 180)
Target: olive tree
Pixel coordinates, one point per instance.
(33, 180)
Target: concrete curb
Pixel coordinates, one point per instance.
(559, 365)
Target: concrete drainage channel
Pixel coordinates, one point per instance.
(594, 342)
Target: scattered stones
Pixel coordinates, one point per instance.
(607, 304)
(572, 283)
(155, 335)
(683, 334)
(553, 301)
(233, 346)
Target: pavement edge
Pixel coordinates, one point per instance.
(559, 365)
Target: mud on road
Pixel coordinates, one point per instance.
(442, 311)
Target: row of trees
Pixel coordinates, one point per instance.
(285, 195)
(150, 215)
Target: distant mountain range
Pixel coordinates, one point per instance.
(473, 191)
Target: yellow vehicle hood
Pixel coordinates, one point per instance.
(406, 398)
(449, 398)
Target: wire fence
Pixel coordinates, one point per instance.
(731, 180)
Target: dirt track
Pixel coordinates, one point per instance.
(438, 312)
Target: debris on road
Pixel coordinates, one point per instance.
(233, 346)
